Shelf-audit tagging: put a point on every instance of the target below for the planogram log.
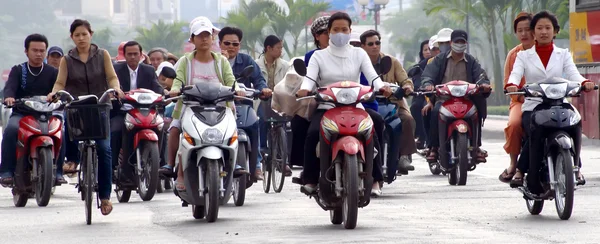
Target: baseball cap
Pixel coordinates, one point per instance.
(202, 24)
(163, 65)
(433, 42)
(320, 24)
(459, 35)
(55, 49)
(444, 35)
(120, 57)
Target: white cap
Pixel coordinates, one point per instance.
(433, 42)
(444, 35)
(354, 37)
(202, 24)
(162, 65)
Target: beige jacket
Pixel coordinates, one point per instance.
(397, 75)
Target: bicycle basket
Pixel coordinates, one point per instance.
(88, 122)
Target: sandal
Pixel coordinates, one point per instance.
(580, 180)
(167, 171)
(7, 181)
(179, 186)
(506, 177)
(70, 167)
(517, 181)
(432, 156)
(105, 207)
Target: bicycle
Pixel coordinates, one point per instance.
(275, 159)
(88, 120)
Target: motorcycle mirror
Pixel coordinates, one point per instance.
(415, 70)
(385, 65)
(300, 67)
(248, 71)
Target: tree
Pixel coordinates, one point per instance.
(252, 19)
(162, 34)
(103, 38)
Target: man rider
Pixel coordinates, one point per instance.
(54, 55)
(452, 65)
(371, 42)
(31, 78)
(230, 39)
(132, 75)
(157, 55)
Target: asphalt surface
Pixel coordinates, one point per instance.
(418, 208)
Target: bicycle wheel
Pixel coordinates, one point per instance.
(88, 183)
(279, 159)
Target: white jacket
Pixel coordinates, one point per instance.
(529, 65)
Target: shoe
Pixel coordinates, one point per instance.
(288, 171)
(308, 189)
(404, 164)
(240, 171)
(259, 175)
(60, 180)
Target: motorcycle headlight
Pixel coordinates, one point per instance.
(128, 124)
(458, 90)
(212, 136)
(365, 126)
(329, 127)
(576, 118)
(554, 91)
(346, 95)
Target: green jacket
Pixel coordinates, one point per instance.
(184, 66)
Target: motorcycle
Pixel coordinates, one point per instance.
(208, 147)
(393, 128)
(143, 124)
(38, 148)
(459, 118)
(246, 157)
(346, 148)
(165, 183)
(557, 118)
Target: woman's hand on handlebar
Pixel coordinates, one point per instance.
(266, 93)
(174, 93)
(588, 86)
(511, 89)
(9, 101)
(302, 93)
(386, 91)
(408, 89)
(51, 97)
(240, 93)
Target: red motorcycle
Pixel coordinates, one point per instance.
(38, 147)
(346, 148)
(459, 121)
(143, 124)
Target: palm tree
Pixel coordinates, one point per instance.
(162, 34)
(103, 38)
(252, 19)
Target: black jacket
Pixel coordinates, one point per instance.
(146, 78)
(434, 71)
(40, 85)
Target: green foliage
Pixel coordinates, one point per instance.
(498, 110)
(163, 34)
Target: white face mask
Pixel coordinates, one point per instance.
(459, 48)
(339, 39)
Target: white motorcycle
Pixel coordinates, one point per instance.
(208, 146)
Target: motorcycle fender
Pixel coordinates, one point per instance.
(459, 126)
(210, 152)
(144, 135)
(242, 136)
(350, 145)
(563, 141)
(39, 142)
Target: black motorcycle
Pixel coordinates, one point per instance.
(559, 122)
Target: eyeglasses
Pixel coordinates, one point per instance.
(370, 44)
(235, 44)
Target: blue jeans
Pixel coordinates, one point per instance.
(9, 148)
(104, 163)
(169, 110)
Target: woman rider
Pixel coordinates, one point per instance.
(339, 61)
(88, 69)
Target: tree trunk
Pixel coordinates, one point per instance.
(498, 81)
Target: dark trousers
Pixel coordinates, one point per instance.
(421, 122)
(434, 129)
(299, 127)
(312, 163)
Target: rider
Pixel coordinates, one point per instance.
(31, 78)
(157, 55)
(200, 65)
(514, 129)
(55, 53)
(230, 41)
(274, 68)
(324, 70)
(132, 75)
(448, 66)
(94, 76)
(419, 102)
(371, 42)
(545, 27)
(318, 28)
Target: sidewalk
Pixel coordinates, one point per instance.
(493, 128)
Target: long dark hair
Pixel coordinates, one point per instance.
(423, 43)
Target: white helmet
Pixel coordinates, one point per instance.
(433, 42)
(444, 35)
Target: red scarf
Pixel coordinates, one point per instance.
(544, 52)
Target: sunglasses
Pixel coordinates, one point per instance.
(370, 44)
(235, 44)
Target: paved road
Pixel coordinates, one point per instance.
(419, 208)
